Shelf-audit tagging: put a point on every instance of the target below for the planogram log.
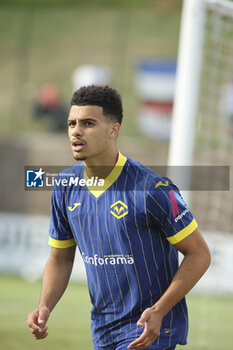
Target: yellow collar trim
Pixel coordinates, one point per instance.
(110, 179)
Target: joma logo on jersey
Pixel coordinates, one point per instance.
(160, 183)
(75, 205)
(119, 209)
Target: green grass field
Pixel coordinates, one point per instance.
(69, 324)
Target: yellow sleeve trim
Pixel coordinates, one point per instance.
(61, 244)
(183, 233)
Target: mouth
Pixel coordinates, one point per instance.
(77, 145)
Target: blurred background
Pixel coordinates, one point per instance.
(48, 50)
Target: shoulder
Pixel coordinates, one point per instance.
(153, 181)
(66, 178)
(72, 170)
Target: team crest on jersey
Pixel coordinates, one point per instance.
(119, 209)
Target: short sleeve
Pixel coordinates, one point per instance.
(168, 211)
(60, 234)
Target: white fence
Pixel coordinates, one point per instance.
(24, 246)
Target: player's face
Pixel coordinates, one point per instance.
(90, 132)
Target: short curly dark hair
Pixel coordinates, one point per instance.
(103, 96)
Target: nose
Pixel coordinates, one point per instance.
(77, 130)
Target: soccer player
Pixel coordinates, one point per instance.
(128, 230)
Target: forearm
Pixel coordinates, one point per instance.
(195, 263)
(190, 271)
(55, 279)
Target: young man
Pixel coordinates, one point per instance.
(128, 232)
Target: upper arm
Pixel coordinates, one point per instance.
(60, 233)
(193, 244)
(63, 254)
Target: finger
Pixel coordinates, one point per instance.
(33, 327)
(142, 320)
(137, 345)
(43, 317)
(39, 335)
(138, 341)
(42, 321)
(145, 334)
(146, 337)
(140, 345)
(43, 330)
(32, 321)
(42, 336)
(38, 331)
(143, 346)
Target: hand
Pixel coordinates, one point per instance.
(152, 321)
(36, 322)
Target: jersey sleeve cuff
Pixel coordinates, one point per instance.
(61, 244)
(185, 232)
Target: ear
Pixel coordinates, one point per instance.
(114, 131)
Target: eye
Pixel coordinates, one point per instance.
(71, 123)
(88, 123)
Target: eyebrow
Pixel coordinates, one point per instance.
(82, 120)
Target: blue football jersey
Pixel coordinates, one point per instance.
(125, 231)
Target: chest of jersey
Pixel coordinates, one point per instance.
(115, 223)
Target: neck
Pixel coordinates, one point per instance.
(102, 165)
